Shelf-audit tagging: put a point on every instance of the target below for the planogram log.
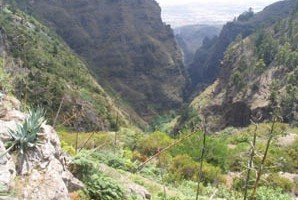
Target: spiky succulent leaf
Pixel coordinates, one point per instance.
(25, 135)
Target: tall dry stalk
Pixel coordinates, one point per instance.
(260, 171)
(58, 112)
(250, 164)
(200, 174)
(162, 178)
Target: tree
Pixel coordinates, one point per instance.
(246, 15)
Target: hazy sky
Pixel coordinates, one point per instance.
(212, 2)
(185, 12)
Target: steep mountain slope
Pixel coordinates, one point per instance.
(204, 69)
(40, 69)
(258, 76)
(190, 38)
(126, 44)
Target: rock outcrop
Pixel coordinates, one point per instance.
(190, 38)
(40, 173)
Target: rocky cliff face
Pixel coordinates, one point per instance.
(41, 173)
(190, 38)
(257, 80)
(205, 68)
(126, 44)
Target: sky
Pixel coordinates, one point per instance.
(185, 12)
(231, 2)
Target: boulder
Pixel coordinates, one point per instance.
(7, 170)
(8, 103)
(138, 190)
(42, 170)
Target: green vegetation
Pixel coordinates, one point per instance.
(246, 15)
(40, 69)
(5, 79)
(26, 135)
(226, 152)
(138, 60)
(258, 74)
(98, 186)
(153, 143)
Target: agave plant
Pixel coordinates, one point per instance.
(26, 135)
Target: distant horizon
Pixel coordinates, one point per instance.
(227, 2)
(179, 13)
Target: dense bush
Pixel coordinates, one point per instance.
(216, 149)
(5, 79)
(68, 148)
(184, 167)
(153, 143)
(276, 181)
(292, 151)
(117, 161)
(98, 186)
(212, 175)
(265, 193)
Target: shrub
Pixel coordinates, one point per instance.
(136, 156)
(115, 160)
(191, 146)
(98, 186)
(217, 153)
(237, 79)
(184, 167)
(67, 148)
(130, 137)
(276, 181)
(5, 79)
(151, 171)
(260, 66)
(216, 150)
(212, 174)
(238, 157)
(83, 165)
(292, 151)
(222, 192)
(154, 142)
(265, 193)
